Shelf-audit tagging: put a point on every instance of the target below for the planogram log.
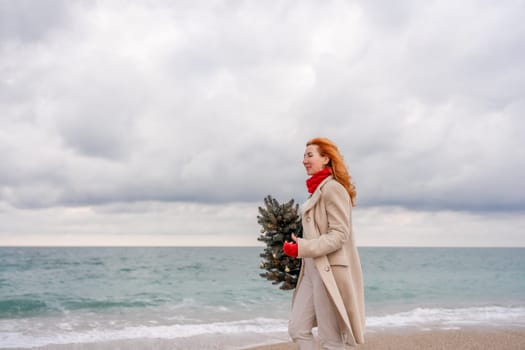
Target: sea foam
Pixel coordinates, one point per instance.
(255, 326)
(451, 318)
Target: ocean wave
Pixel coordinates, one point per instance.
(12, 339)
(16, 336)
(21, 307)
(451, 317)
(27, 306)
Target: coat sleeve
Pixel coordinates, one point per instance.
(338, 216)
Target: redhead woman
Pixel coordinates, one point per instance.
(329, 292)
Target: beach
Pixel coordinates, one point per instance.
(464, 339)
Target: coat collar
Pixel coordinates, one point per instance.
(310, 202)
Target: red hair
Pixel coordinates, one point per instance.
(337, 164)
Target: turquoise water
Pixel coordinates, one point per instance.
(80, 295)
(444, 277)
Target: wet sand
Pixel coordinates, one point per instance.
(465, 339)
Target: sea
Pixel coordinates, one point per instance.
(214, 297)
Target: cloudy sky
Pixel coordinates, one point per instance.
(167, 122)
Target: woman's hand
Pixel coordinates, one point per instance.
(291, 249)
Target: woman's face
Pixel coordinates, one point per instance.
(313, 161)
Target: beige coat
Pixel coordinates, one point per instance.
(328, 238)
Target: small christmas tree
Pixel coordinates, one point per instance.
(278, 222)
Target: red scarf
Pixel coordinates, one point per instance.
(317, 178)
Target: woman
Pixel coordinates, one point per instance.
(329, 291)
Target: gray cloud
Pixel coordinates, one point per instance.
(29, 21)
(172, 103)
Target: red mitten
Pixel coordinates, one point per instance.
(291, 249)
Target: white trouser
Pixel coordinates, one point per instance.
(311, 303)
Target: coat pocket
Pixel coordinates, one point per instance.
(338, 258)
